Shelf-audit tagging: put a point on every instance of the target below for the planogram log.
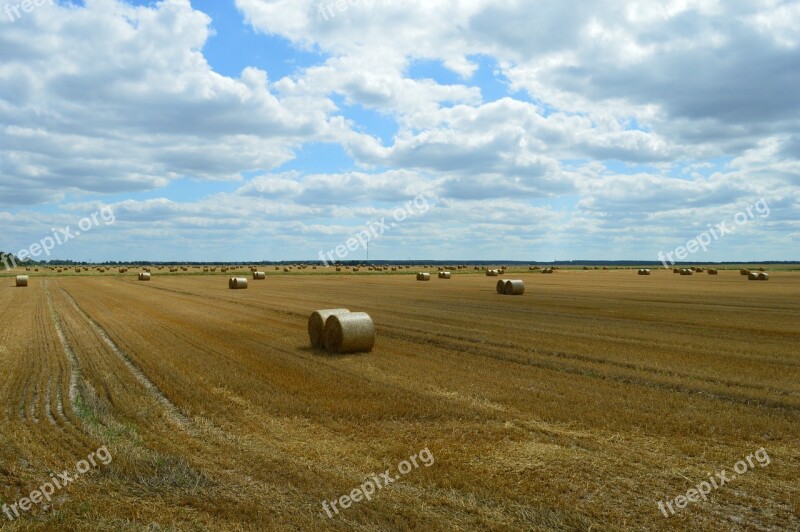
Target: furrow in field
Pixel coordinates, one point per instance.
(174, 412)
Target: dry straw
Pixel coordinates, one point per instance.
(763, 276)
(316, 325)
(259, 276)
(744, 272)
(237, 283)
(514, 287)
(501, 286)
(686, 271)
(423, 276)
(22, 281)
(144, 276)
(353, 332)
(444, 275)
(712, 271)
(644, 272)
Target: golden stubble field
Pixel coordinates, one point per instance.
(579, 405)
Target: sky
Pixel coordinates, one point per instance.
(247, 130)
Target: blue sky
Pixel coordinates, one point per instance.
(263, 129)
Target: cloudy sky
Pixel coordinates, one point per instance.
(273, 129)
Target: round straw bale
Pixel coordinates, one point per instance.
(676, 270)
(237, 283)
(763, 276)
(514, 287)
(501, 286)
(644, 272)
(144, 276)
(260, 276)
(352, 332)
(444, 275)
(316, 325)
(762, 269)
(753, 276)
(744, 272)
(423, 276)
(687, 271)
(712, 271)
(22, 281)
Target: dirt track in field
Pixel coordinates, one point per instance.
(582, 403)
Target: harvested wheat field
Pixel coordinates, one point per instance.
(580, 405)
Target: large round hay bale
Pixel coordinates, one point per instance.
(712, 271)
(763, 276)
(259, 276)
(444, 275)
(500, 287)
(22, 281)
(753, 276)
(744, 272)
(316, 325)
(144, 276)
(676, 270)
(423, 276)
(514, 287)
(237, 283)
(353, 332)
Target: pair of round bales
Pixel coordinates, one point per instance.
(510, 287)
(237, 283)
(644, 272)
(492, 273)
(421, 276)
(340, 331)
(758, 276)
(444, 275)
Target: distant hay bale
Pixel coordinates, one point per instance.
(316, 325)
(687, 271)
(762, 269)
(286, 270)
(22, 281)
(492, 273)
(259, 276)
(352, 332)
(676, 270)
(744, 272)
(444, 275)
(421, 276)
(500, 287)
(356, 269)
(712, 271)
(237, 283)
(514, 287)
(338, 268)
(548, 270)
(644, 272)
(144, 276)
